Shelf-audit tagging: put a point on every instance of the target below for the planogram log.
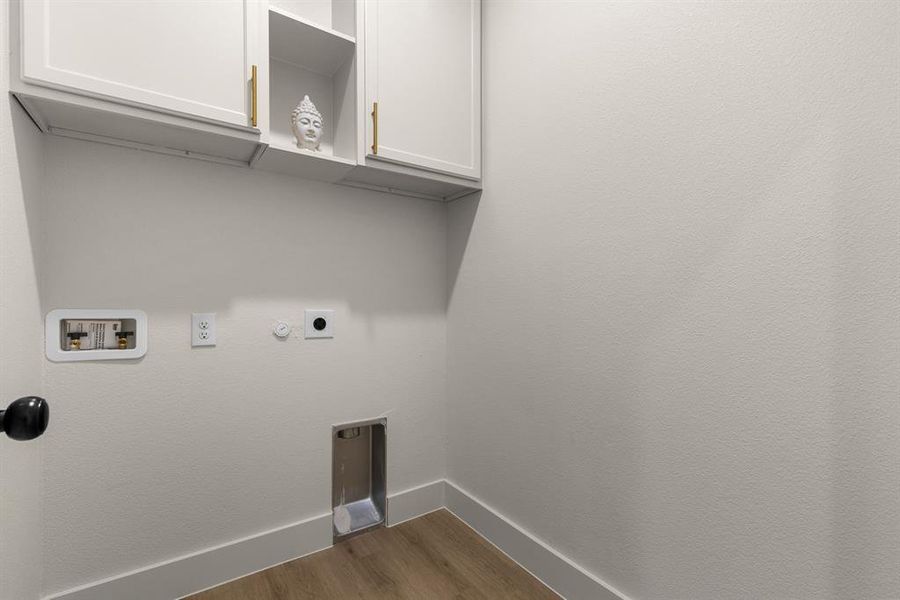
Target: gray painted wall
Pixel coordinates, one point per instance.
(21, 170)
(674, 327)
(190, 448)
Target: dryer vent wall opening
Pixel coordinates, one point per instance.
(358, 477)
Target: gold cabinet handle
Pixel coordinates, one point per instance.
(253, 95)
(374, 128)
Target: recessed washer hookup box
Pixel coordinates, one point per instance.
(82, 334)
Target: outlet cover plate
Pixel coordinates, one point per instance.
(313, 328)
(203, 329)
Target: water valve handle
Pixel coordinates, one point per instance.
(25, 418)
(122, 339)
(75, 339)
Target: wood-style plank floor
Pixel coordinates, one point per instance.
(434, 557)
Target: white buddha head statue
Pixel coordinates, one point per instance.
(307, 124)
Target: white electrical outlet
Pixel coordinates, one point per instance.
(203, 329)
(318, 324)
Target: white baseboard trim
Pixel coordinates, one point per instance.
(201, 570)
(415, 502)
(208, 568)
(214, 566)
(556, 571)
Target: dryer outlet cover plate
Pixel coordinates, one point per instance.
(318, 323)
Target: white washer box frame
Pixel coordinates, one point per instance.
(52, 331)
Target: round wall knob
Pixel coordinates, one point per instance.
(26, 418)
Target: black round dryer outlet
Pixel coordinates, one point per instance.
(319, 324)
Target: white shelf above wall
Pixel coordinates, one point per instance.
(298, 41)
(293, 161)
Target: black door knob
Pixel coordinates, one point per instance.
(26, 418)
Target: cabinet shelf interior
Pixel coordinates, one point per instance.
(309, 45)
(313, 53)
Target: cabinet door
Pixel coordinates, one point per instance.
(190, 57)
(423, 69)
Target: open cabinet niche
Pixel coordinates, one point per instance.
(312, 51)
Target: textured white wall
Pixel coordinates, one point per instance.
(189, 448)
(21, 167)
(713, 226)
(674, 333)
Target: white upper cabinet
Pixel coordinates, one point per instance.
(218, 80)
(185, 57)
(423, 70)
